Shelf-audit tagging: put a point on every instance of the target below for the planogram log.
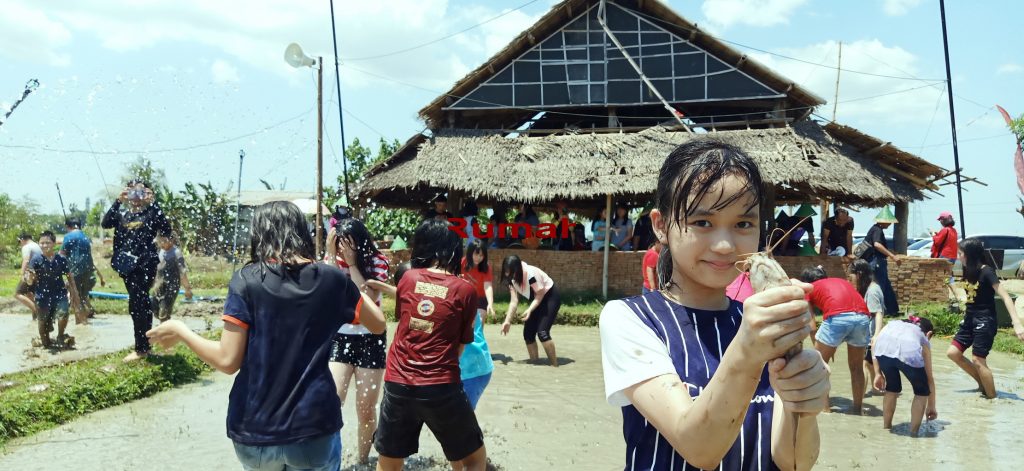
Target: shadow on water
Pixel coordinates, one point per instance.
(562, 361)
(501, 358)
(416, 463)
(929, 429)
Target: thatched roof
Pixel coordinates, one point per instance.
(804, 162)
(798, 99)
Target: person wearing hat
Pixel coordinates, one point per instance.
(643, 231)
(440, 210)
(879, 255)
(944, 244)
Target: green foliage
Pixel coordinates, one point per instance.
(945, 321)
(201, 216)
(78, 388)
(16, 217)
(379, 220)
(1017, 127)
(142, 168)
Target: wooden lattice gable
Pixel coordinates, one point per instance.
(578, 65)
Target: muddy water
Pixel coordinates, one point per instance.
(104, 334)
(538, 417)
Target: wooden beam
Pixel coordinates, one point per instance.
(913, 179)
(877, 149)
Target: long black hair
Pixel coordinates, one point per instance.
(366, 248)
(435, 246)
(812, 274)
(865, 276)
(974, 259)
(477, 245)
(280, 235)
(615, 216)
(511, 270)
(689, 173)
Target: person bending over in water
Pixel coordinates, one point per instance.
(903, 347)
(545, 301)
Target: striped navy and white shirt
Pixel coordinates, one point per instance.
(646, 336)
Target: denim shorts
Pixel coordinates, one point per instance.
(851, 327)
(316, 454)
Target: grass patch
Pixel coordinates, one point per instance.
(85, 386)
(947, 323)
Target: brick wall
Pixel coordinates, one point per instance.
(915, 279)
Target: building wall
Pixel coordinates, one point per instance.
(915, 279)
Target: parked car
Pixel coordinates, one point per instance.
(1012, 247)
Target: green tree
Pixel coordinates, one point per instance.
(142, 168)
(379, 220)
(16, 217)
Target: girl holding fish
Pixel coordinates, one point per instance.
(701, 378)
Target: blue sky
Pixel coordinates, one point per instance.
(147, 76)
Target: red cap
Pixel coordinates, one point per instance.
(944, 215)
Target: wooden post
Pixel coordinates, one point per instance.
(607, 243)
(823, 212)
(900, 231)
(320, 157)
(767, 212)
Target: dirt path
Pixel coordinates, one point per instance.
(537, 417)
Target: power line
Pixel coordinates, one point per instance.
(158, 151)
(435, 41)
(885, 94)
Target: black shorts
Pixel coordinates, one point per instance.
(891, 369)
(977, 331)
(444, 408)
(360, 350)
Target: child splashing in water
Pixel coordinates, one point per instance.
(700, 378)
(903, 347)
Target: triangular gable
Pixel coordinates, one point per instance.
(579, 65)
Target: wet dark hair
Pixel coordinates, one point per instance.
(923, 322)
(400, 271)
(136, 181)
(48, 234)
(974, 259)
(25, 236)
(477, 245)
(280, 235)
(689, 173)
(366, 248)
(812, 274)
(865, 276)
(511, 270)
(72, 222)
(436, 246)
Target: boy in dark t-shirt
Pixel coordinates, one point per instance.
(50, 270)
(436, 310)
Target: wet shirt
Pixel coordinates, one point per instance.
(134, 232)
(30, 250)
(981, 295)
(50, 272)
(836, 296)
(435, 314)
(535, 279)
(647, 336)
(284, 391)
(78, 249)
(477, 278)
(903, 341)
(874, 299)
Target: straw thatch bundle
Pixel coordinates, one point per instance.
(803, 162)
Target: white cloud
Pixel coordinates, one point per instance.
(29, 34)
(903, 101)
(1010, 68)
(725, 13)
(223, 72)
(899, 7)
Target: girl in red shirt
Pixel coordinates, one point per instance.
(944, 245)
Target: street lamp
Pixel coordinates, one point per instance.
(294, 56)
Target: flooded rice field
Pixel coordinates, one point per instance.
(538, 417)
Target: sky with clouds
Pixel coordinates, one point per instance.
(188, 83)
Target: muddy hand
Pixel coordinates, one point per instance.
(166, 335)
(802, 382)
(774, 321)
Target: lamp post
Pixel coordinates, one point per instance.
(294, 56)
(238, 212)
